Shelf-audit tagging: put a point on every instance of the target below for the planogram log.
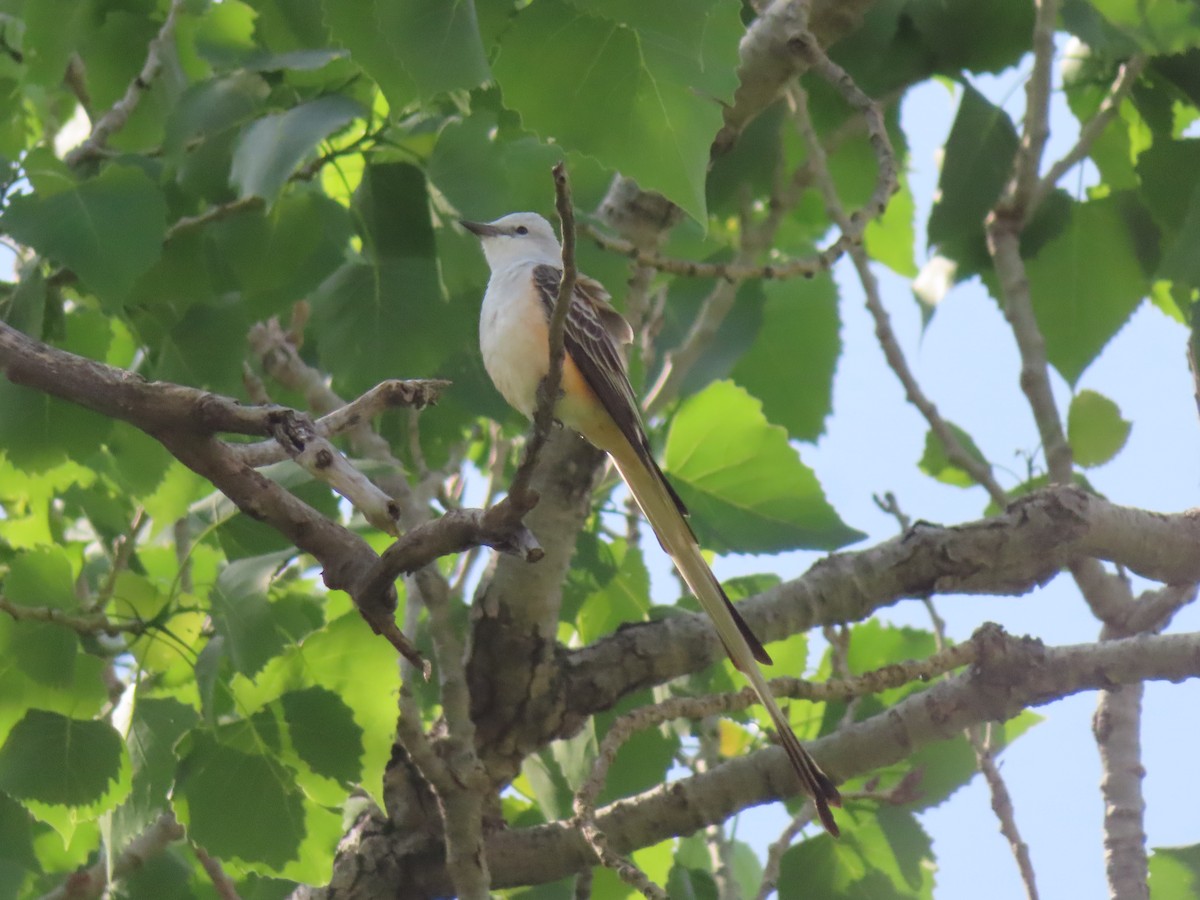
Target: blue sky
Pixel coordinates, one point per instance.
(966, 361)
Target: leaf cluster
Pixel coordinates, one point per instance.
(315, 155)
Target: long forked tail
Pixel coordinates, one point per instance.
(657, 500)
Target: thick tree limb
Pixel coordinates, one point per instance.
(768, 58)
(1037, 537)
(185, 421)
(1011, 675)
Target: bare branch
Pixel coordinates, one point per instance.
(299, 438)
(1127, 76)
(92, 881)
(83, 623)
(979, 471)
(225, 887)
(116, 117)
(213, 214)
(768, 59)
(1116, 726)
(415, 393)
(1035, 538)
(185, 421)
(1003, 808)
(1010, 675)
(1037, 109)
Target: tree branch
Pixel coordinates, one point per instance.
(1038, 536)
(185, 421)
(1010, 675)
(979, 471)
(92, 881)
(116, 117)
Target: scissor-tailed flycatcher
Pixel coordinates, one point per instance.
(598, 402)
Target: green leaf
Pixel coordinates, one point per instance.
(390, 319)
(139, 460)
(1180, 263)
(25, 307)
(1175, 873)
(892, 237)
(108, 230)
(623, 598)
(486, 175)
(270, 149)
(962, 34)
(36, 430)
(977, 165)
(691, 884)
(936, 464)
(239, 805)
(392, 203)
(17, 856)
(242, 615)
(413, 49)
(1169, 172)
(52, 759)
(885, 854)
(345, 658)
(746, 487)
(1095, 428)
(643, 761)
(1086, 283)
(790, 366)
(324, 733)
(276, 257)
(156, 725)
(1161, 27)
(53, 31)
(639, 87)
(197, 351)
(46, 652)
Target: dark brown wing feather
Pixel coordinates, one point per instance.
(591, 346)
(588, 338)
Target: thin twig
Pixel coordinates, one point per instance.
(213, 214)
(1002, 805)
(123, 553)
(1037, 108)
(91, 882)
(985, 759)
(116, 117)
(520, 493)
(1127, 76)
(89, 623)
(225, 887)
(979, 470)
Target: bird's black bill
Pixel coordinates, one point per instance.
(482, 229)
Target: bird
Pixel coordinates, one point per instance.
(597, 401)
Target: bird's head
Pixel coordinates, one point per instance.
(515, 238)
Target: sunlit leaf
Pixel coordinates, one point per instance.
(936, 464)
(270, 149)
(746, 487)
(1175, 872)
(1095, 428)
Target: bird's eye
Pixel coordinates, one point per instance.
(521, 229)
